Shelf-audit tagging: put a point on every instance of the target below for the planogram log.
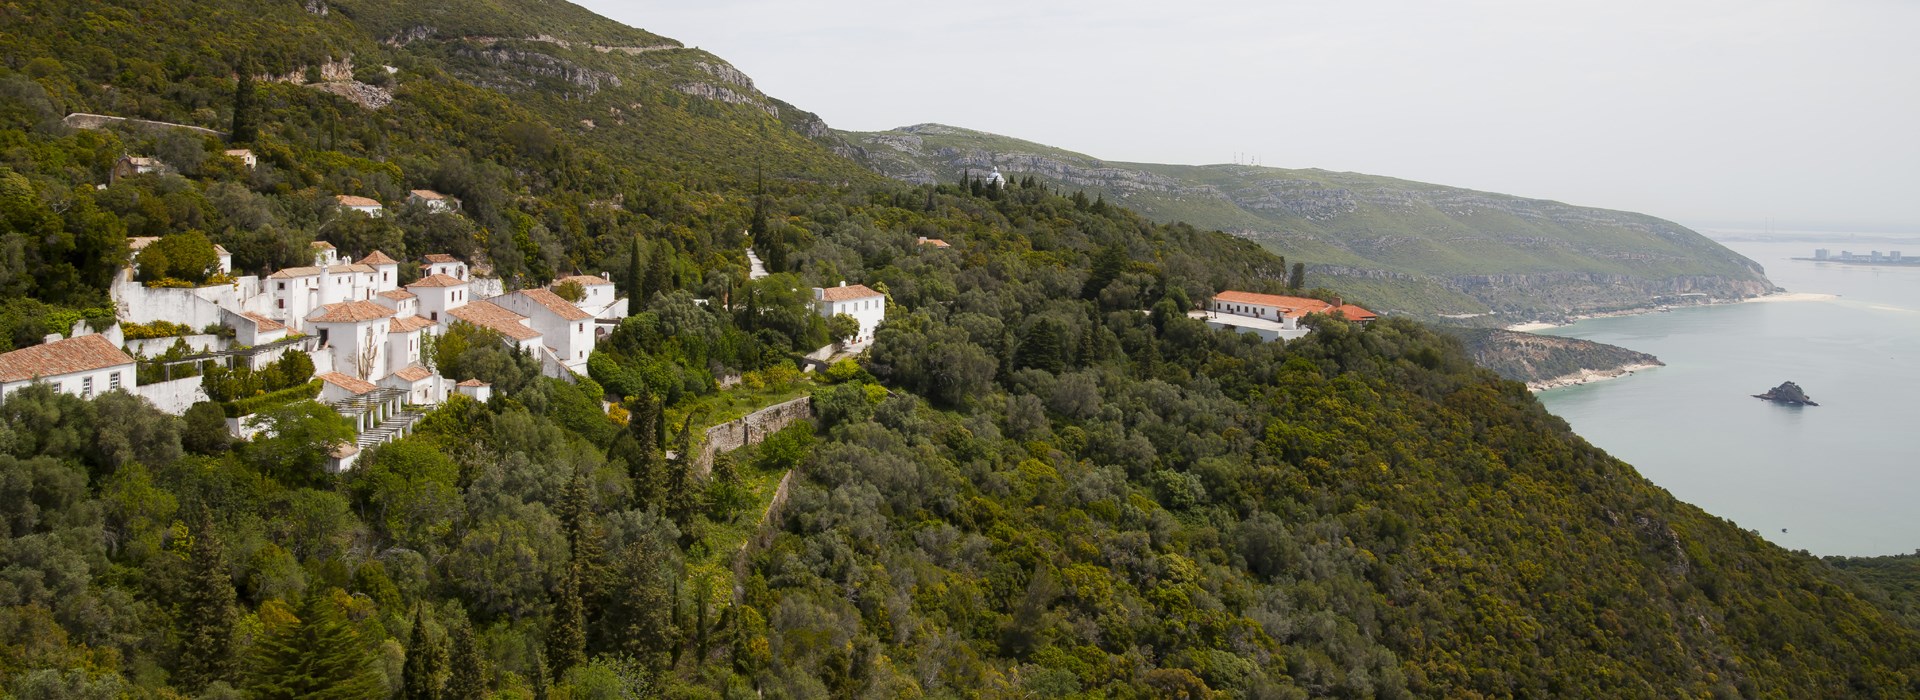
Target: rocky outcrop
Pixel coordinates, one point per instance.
(1546, 361)
(525, 67)
(1788, 393)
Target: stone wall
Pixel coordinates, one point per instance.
(174, 397)
(750, 430)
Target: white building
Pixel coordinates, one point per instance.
(250, 329)
(1271, 316)
(336, 387)
(438, 294)
(386, 271)
(360, 204)
(513, 328)
(566, 330)
(433, 201)
(85, 367)
(354, 333)
(600, 299)
(417, 381)
(245, 156)
(403, 302)
(226, 259)
(479, 390)
(403, 339)
(129, 166)
(864, 305)
(324, 254)
(297, 291)
(444, 264)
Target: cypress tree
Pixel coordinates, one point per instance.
(635, 274)
(567, 638)
(659, 276)
(425, 673)
(1299, 276)
(207, 613)
(645, 463)
(467, 679)
(243, 129)
(319, 655)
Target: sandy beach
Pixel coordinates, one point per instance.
(1532, 326)
(1792, 296)
(1587, 376)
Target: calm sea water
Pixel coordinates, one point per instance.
(1842, 478)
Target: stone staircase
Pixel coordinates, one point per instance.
(398, 425)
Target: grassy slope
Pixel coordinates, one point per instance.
(1399, 233)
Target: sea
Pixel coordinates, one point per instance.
(1842, 478)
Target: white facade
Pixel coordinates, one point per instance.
(601, 300)
(433, 201)
(442, 264)
(86, 367)
(566, 330)
(361, 204)
(438, 294)
(864, 305)
(354, 334)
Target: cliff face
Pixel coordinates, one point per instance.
(1544, 360)
(1513, 257)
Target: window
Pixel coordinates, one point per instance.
(580, 327)
(113, 381)
(283, 303)
(323, 336)
(86, 387)
(434, 314)
(283, 286)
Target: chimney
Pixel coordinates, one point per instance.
(1336, 301)
(843, 283)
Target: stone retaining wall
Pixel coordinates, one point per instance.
(750, 430)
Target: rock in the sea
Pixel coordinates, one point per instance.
(1788, 393)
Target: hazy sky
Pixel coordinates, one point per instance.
(1705, 111)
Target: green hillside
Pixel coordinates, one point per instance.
(1043, 480)
(1422, 249)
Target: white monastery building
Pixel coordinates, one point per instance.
(864, 305)
(363, 205)
(85, 366)
(566, 331)
(433, 201)
(1271, 316)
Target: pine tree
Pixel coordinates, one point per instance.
(639, 620)
(207, 613)
(1107, 266)
(929, 199)
(243, 129)
(319, 655)
(659, 276)
(425, 673)
(467, 677)
(644, 462)
(1299, 276)
(567, 638)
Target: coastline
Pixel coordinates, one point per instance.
(1588, 376)
(1777, 297)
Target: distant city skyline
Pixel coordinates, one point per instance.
(1797, 115)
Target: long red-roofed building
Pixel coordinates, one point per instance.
(1273, 316)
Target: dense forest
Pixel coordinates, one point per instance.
(1043, 480)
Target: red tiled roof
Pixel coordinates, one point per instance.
(474, 382)
(407, 324)
(413, 373)
(558, 306)
(349, 312)
(1294, 306)
(262, 323)
(440, 258)
(292, 272)
(82, 354)
(140, 242)
(351, 384)
(584, 280)
(935, 242)
(399, 294)
(428, 194)
(347, 200)
(377, 258)
(437, 280)
(489, 315)
(329, 246)
(847, 293)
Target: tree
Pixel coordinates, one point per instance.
(636, 272)
(842, 328)
(243, 130)
(296, 441)
(207, 612)
(467, 677)
(1107, 266)
(570, 291)
(425, 672)
(567, 637)
(206, 428)
(1299, 276)
(659, 275)
(318, 654)
(639, 616)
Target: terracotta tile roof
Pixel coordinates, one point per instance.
(349, 312)
(584, 280)
(428, 194)
(238, 152)
(85, 353)
(1294, 306)
(323, 245)
(292, 272)
(439, 258)
(553, 303)
(351, 384)
(142, 160)
(220, 250)
(413, 373)
(474, 382)
(262, 323)
(347, 200)
(351, 267)
(408, 324)
(935, 242)
(344, 450)
(436, 280)
(399, 294)
(378, 258)
(491, 316)
(847, 293)
(140, 242)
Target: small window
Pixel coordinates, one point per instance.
(113, 381)
(283, 286)
(283, 303)
(86, 387)
(434, 314)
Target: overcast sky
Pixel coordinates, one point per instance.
(1710, 112)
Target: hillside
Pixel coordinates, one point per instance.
(1043, 480)
(1543, 361)
(1412, 247)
